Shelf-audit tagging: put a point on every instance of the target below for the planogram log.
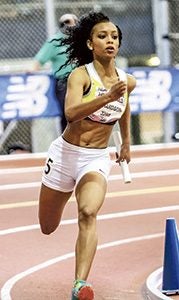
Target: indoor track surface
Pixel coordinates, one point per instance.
(131, 226)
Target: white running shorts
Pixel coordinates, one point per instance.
(66, 164)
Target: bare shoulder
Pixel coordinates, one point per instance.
(79, 72)
(131, 82)
(79, 75)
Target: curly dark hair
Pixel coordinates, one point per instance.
(77, 50)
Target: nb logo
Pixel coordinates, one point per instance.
(26, 97)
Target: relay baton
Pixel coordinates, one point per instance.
(124, 166)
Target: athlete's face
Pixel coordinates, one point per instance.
(104, 40)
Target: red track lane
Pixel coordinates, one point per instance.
(131, 228)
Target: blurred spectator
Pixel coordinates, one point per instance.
(51, 52)
(18, 148)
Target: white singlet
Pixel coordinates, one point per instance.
(111, 111)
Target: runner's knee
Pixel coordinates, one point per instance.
(47, 228)
(86, 215)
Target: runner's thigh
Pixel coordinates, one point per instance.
(51, 205)
(90, 192)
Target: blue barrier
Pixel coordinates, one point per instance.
(26, 96)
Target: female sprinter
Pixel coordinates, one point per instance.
(78, 161)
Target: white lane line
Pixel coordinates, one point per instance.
(173, 188)
(147, 174)
(16, 186)
(139, 160)
(150, 159)
(27, 156)
(7, 287)
(100, 218)
(20, 170)
(133, 162)
(18, 204)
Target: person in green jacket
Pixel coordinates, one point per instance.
(51, 52)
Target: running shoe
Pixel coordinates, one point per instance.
(82, 291)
